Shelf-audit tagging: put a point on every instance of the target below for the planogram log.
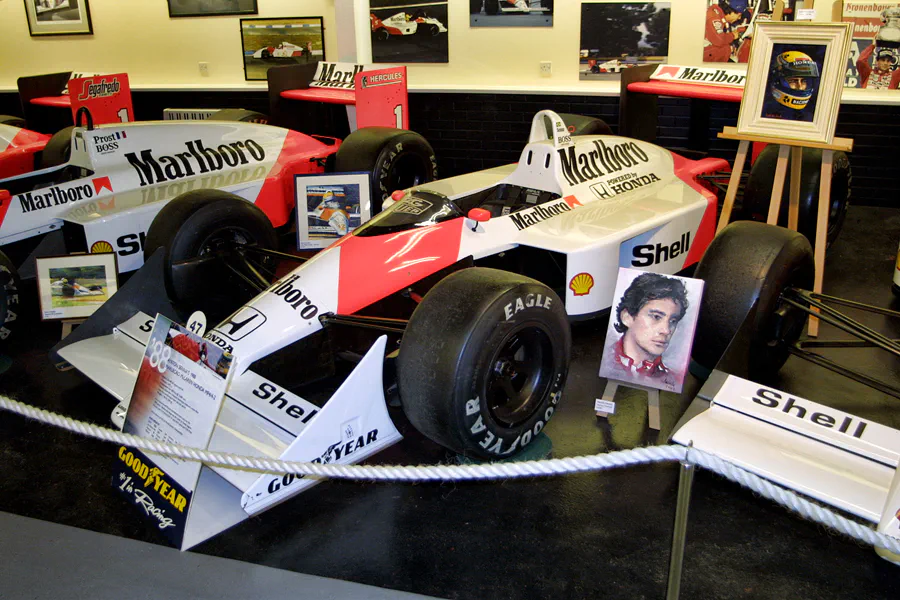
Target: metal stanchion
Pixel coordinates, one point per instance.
(676, 559)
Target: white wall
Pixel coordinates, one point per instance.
(138, 37)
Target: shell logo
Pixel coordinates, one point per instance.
(581, 284)
(101, 247)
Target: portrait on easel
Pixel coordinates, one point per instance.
(651, 329)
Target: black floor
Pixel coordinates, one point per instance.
(579, 536)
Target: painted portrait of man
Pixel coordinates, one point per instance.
(641, 343)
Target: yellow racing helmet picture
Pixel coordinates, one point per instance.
(794, 79)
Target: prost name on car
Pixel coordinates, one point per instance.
(152, 170)
(602, 159)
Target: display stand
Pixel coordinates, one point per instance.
(68, 325)
(796, 149)
(609, 394)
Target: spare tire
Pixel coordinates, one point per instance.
(13, 121)
(58, 149)
(758, 192)
(9, 296)
(396, 159)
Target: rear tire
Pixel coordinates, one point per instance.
(483, 362)
(9, 296)
(240, 115)
(755, 205)
(58, 149)
(204, 223)
(395, 158)
(12, 121)
(749, 262)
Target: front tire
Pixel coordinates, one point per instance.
(12, 121)
(9, 296)
(58, 149)
(395, 158)
(199, 230)
(483, 362)
(746, 263)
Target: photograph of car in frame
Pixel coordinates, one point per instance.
(794, 81)
(278, 42)
(74, 286)
(58, 17)
(329, 206)
(210, 8)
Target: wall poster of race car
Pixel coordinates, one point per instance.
(404, 32)
(74, 286)
(276, 42)
(58, 17)
(329, 207)
(617, 36)
(511, 13)
(205, 8)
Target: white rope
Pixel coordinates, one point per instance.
(557, 466)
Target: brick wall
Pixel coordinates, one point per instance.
(472, 131)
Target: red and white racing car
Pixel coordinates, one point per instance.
(493, 7)
(283, 50)
(477, 275)
(19, 147)
(404, 23)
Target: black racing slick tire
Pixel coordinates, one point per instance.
(13, 121)
(581, 125)
(9, 296)
(58, 149)
(434, 30)
(752, 262)
(395, 158)
(755, 205)
(383, 34)
(483, 362)
(240, 115)
(201, 229)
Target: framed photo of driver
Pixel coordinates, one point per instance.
(651, 329)
(794, 81)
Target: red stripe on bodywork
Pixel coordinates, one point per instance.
(297, 157)
(373, 268)
(5, 203)
(18, 158)
(687, 171)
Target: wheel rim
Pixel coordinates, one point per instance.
(520, 375)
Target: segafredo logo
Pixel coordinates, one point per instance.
(581, 165)
(541, 213)
(58, 195)
(381, 79)
(152, 169)
(101, 89)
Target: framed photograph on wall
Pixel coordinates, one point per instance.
(58, 17)
(270, 43)
(74, 286)
(329, 206)
(208, 8)
(794, 81)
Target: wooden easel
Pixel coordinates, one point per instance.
(68, 325)
(796, 149)
(609, 394)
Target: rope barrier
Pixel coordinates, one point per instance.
(557, 466)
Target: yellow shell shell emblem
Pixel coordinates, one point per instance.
(581, 284)
(101, 247)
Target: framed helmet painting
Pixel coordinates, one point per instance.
(794, 81)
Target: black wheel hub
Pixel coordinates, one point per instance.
(520, 376)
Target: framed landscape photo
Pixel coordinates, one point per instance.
(270, 43)
(330, 206)
(58, 17)
(794, 81)
(74, 286)
(207, 8)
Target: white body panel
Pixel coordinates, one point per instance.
(824, 453)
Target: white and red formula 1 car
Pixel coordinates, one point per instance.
(478, 275)
(282, 50)
(100, 189)
(19, 147)
(404, 23)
